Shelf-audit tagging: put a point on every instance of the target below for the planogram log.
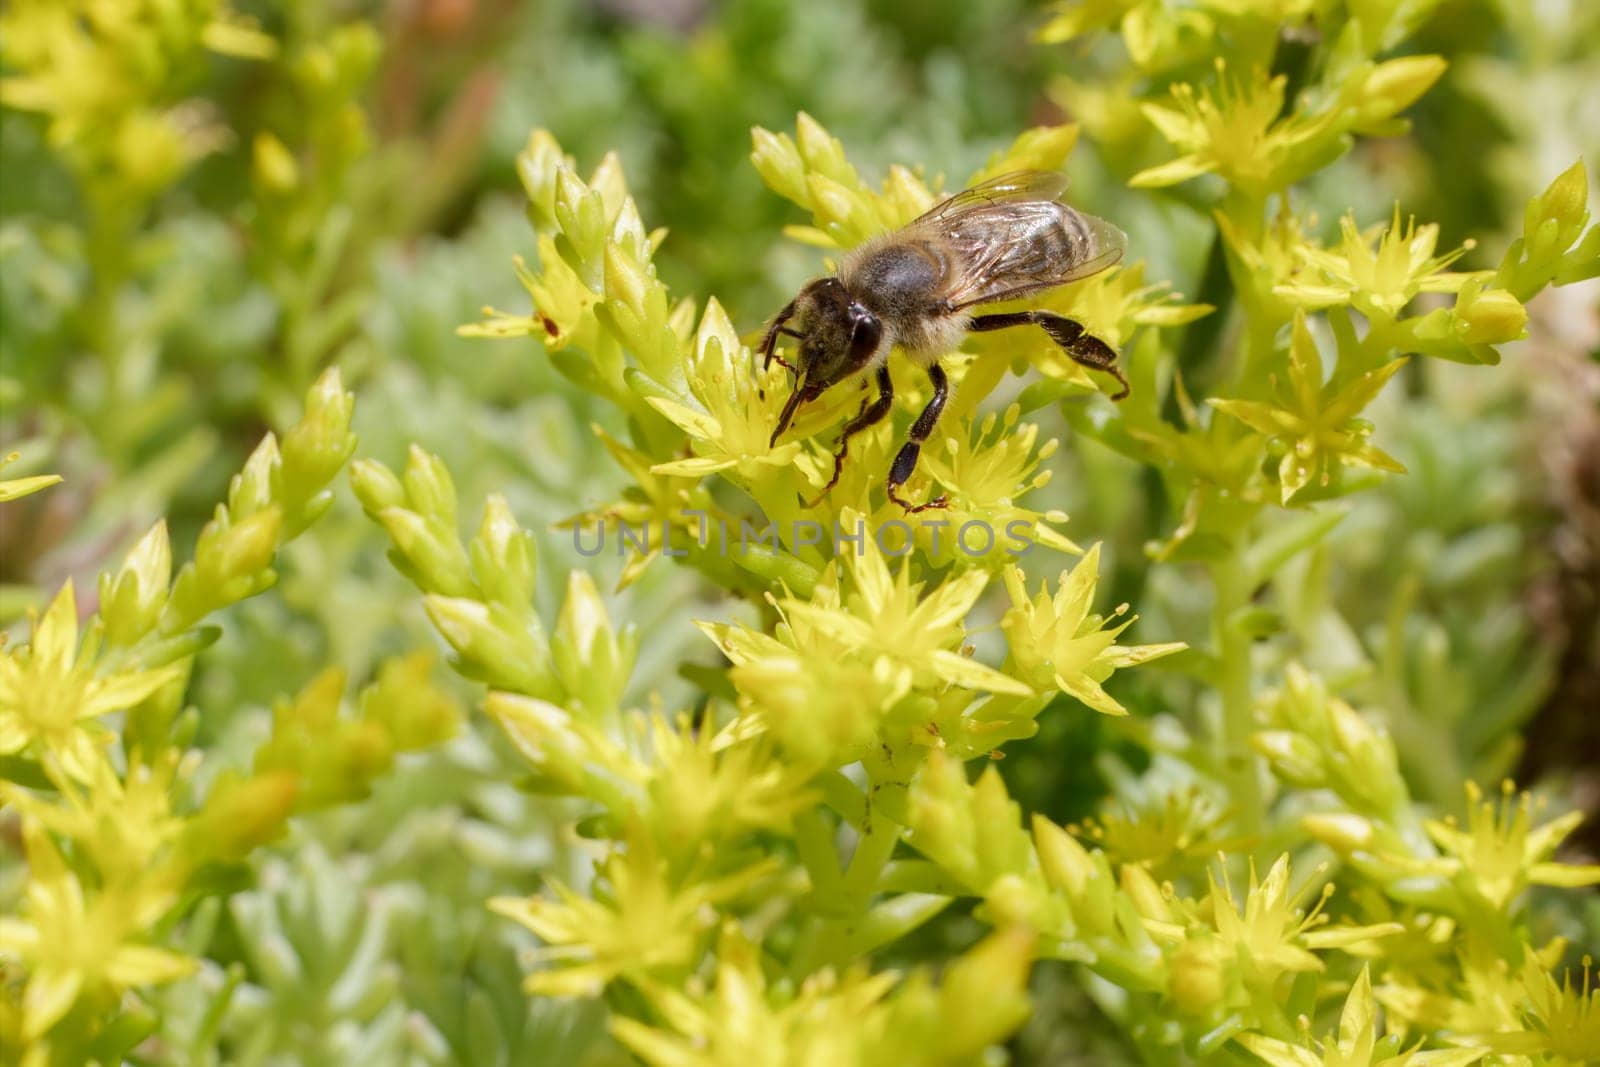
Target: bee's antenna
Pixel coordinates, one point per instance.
(790, 406)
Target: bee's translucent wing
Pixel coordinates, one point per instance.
(1011, 236)
(1037, 254)
(1005, 188)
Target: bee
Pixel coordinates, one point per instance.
(916, 289)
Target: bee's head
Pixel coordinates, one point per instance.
(838, 337)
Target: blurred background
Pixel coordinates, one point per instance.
(196, 222)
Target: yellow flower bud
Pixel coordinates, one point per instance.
(1067, 864)
(429, 486)
(1196, 981)
(272, 164)
(1343, 833)
(494, 645)
(1566, 202)
(132, 601)
(149, 150)
(1294, 757)
(627, 282)
(245, 549)
(241, 815)
(1392, 87)
(1490, 318)
(1145, 893)
(592, 662)
(376, 486)
(415, 711)
(504, 556)
(317, 446)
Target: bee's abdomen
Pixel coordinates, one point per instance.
(1032, 242)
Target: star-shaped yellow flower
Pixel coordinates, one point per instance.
(844, 660)
(1358, 1043)
(1377, 274)
(1501, 852)
(1058, 642)
(731, 431)
(1234, 131)
(646, 920)
(1317, 423)
(49, 699)
(69, 942)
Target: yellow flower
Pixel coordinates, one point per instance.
(1317, 423)
(985, 472)
(732, 430)
(1266, 262)
(69, 945)
(823, 710)
(652, 502)
(1058, 642)
(854, 1019)
(1162, 832)
(703, 792)
(741, 1020)
(1563, 1022)
(641, 923)
(1234, 131)
(122, 825)
(1377, 274)
(1112, 305)
(1157, 35)
(890, 615)
(48, 697)
(1222, 456)
(1272, 935)
(106, 75)
(1358, 1043)
(1500, 853)
(845, 660)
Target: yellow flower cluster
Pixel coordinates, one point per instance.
(93, 743)
(853, 698)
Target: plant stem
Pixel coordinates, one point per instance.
(1233, 655)
(844, 903)
(814, 841)
(876, 844)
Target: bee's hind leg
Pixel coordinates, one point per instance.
(870, 414)
(906, 461)
(1085, 349)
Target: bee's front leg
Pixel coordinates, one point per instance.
(867, 416)
(906, 461)
(1084, 348)
(769, 341)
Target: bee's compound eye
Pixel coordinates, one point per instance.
(866, 331)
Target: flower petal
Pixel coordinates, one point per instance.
(133, 965)
(49, 996)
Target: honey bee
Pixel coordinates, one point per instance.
(916, 288)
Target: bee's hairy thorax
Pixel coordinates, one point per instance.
(900, 282)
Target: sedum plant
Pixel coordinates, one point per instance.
(849, 844)
(129, 834)
(1269, 882)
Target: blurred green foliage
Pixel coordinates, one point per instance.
(206, 208)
